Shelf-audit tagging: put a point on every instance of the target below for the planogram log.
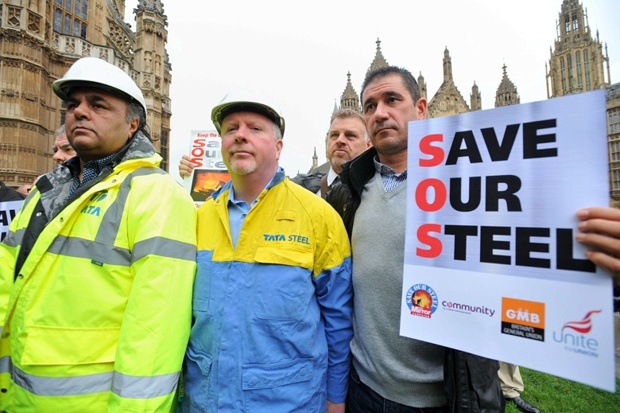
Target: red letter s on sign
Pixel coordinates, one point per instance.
(436, 153)
(425, 237)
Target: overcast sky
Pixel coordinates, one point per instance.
(299, 54)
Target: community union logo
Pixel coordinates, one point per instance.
(421, 300)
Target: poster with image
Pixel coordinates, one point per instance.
(210, 172)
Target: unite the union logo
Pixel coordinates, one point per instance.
(575, 336)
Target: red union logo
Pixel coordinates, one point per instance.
(583, 326)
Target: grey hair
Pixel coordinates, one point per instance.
(60, 131)
(136, 111)
(346, 114)
(277, 133)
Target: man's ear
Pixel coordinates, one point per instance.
(421, 106)
(133, 126)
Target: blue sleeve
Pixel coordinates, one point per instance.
(335, 297)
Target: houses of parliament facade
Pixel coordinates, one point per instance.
(40, 39)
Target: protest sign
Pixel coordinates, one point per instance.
(8, 210)
(210, 172)
(491, 262)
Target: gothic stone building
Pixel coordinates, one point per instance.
(40, 39)
(577, 64)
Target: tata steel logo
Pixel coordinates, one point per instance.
(574, 336)
(91, 208)
(522, 318)
(422, 300)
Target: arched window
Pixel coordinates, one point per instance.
(71, 17)
(563, 76)
(586, 69)
(575, 23)
(578, 67)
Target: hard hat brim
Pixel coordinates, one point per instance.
(221, 111)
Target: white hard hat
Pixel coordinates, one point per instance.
(94, 72)
(245, 102)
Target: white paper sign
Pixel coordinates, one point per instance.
(7, 213)
(491, 262)
(210, 172)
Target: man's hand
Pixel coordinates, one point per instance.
(335, 407)
(600, 229)
(185, 167)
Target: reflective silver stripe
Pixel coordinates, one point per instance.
(82, 248)
(108, 229)
(5, 364)
(135, 387)
(110, 254)
(138, 387)
(13, 239)
(103, 251)
(62, 386)
(164, 247)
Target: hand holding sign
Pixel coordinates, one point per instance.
(600, 228)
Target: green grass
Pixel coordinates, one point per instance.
(555, 395)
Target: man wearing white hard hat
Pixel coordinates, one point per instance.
(97, 269)
(272, 297)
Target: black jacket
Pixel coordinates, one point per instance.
(9, 194)
(345, 196)
(312, 182)
(471, 382)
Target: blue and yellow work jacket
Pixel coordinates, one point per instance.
(97, 313)
(272, 316)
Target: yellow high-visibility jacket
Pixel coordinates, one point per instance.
(98, 316)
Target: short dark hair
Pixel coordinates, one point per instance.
(135, 110)
(410, 83)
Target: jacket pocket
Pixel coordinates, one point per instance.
(284, 384)
(285, 255)
(197, 368)
(283, 284)
(51, 346)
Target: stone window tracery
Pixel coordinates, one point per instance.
(34, 23)
(14, 16)
(71, 17)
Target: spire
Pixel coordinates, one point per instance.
(447, 66)
(447, 100)
(379, 61)
(422, 85)
(475, 98)
(315, 159)
(150, 5)
(506, 92)
(349, 98)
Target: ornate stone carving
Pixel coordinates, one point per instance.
(34, 23)
(14, 15)
(70, 44)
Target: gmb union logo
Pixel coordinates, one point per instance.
(523, 318)
(422, 300)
